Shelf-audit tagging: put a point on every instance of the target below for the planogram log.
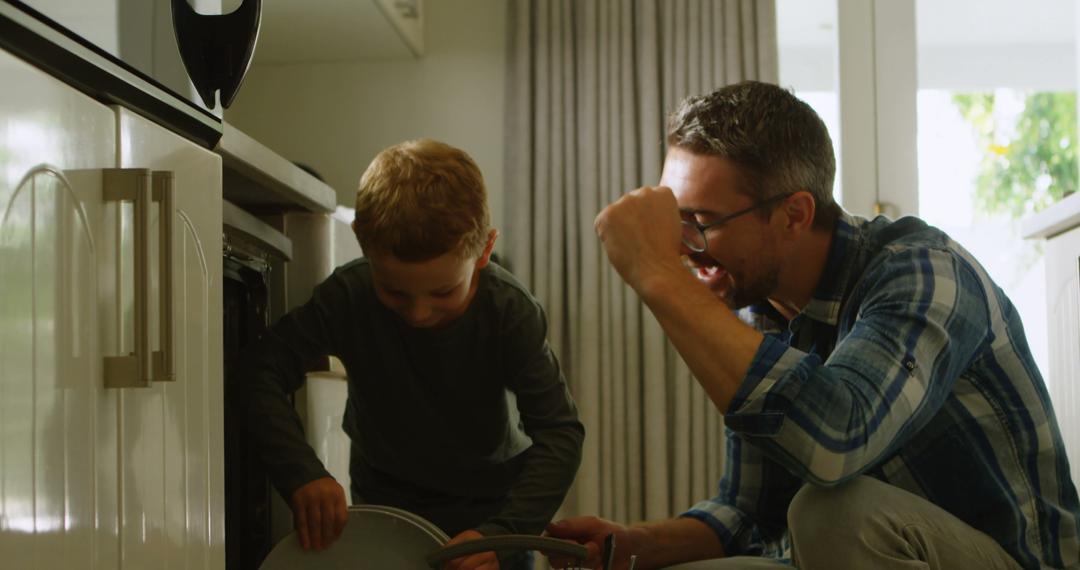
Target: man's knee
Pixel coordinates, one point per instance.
(818, 513)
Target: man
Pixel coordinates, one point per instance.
(882, 407)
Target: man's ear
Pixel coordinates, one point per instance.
(485, 257)
(799, 211)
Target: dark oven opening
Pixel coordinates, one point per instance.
(248, 493)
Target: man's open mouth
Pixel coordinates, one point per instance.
(707, 269)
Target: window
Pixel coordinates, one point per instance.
(806, 34)
(997, 133)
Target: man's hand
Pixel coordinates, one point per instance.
(478, 561)
(591, 532)
(319, 513)
(642, 233)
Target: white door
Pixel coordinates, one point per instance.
(172, 433)
(58, 438)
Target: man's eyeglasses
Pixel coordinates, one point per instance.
(693, 233)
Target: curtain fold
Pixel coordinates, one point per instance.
(589, 85)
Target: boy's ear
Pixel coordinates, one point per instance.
(485, 257)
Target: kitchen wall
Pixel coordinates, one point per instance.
(336, 116)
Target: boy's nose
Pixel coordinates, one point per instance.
(418, 313)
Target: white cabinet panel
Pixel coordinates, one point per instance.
(173, 484)
(1063, 307)
(96, 477)
(58, 452)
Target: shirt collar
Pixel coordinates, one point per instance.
(837, 278)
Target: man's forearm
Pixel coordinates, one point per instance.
(663, 543)
(716, 346)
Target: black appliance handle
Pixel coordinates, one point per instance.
(217, 50)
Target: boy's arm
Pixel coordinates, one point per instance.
(273, 368)
(550, 418)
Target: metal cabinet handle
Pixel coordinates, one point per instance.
(133, 185)
(544, 544)
(164, 195)
(143, 188)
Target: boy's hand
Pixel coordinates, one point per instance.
(319, 513)
(478, 561)
(590, 532)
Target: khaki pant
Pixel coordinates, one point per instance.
(869, 524)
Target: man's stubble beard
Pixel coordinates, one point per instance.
(758, 291)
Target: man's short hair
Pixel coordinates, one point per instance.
(779, 144)
(421, 199)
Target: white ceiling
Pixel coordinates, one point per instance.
(944, 22)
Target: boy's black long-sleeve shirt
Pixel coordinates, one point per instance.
(443, 410)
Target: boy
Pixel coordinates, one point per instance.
(457, 409)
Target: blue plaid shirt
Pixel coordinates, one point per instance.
(909, 365)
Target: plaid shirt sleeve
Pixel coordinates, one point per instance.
(917, 319)
(730, 513)
(749, 512)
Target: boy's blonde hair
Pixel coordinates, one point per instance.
(421, 199)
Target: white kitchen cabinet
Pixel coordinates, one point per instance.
(58, 438)
(1063, 307)
(172, 432)
(1059, 225)
(94, 476)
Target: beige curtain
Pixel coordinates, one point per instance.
(590, 83)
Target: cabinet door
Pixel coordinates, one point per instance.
(1063, 307)
(58, 436)
(171, 436)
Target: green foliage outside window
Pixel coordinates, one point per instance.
(1027, 166)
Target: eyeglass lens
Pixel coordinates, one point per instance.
(693, 238)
